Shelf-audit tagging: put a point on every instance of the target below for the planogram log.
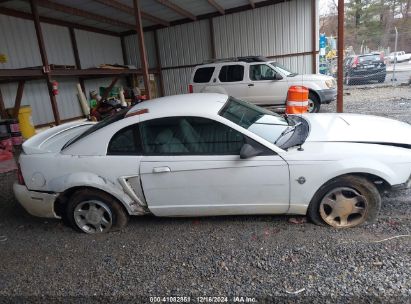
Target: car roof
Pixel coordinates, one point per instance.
(201, 103)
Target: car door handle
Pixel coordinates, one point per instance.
(251, 84)
(161, 170)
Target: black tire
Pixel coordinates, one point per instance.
(315, 101)
(361, 185)
(118, 216)
(381, 80)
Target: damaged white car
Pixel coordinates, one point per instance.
(209, 155)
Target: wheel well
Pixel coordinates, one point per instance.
(315, 94)
(64, 197)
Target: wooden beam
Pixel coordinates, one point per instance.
(129, 10)
(217, 6)
(159, 63)
(81, 13)
(314, 32)
(340, 58)
(252, 4)
(177, 9)
(46, 67)
(23, 15)
(142, 47)
(76, 56)
(3, 112)
(109, 88)
(19, 96)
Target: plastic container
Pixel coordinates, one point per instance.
(26, 122)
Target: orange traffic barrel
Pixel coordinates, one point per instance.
(297, 100)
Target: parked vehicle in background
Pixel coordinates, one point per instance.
(211, 154)
(260, 81)
(364, 68)
(401, 56)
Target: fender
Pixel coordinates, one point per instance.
(302, 194)
(87, 179)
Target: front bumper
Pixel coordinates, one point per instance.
(36, 203)
(328, 95)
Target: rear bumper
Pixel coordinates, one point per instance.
(375, 74)
(36, 203)
(328, 95)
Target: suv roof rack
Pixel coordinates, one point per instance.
(239, 59)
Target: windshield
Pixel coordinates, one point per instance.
(260, 121)
(282, 69)
(105, 122)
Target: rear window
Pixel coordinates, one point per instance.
(105, 122)
(370, 58)
(231, 73)
(203, 75)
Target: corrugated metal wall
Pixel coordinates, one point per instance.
(19, 43)
(280, 29)
(133, 52)
(95, 49)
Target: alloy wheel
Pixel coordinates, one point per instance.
(93, 216)
(343, 207)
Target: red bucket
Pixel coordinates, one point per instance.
(6, 142)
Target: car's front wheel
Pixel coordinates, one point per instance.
(93, 211)
(345, 202)
(314, 103)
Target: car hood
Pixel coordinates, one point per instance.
(357, 128)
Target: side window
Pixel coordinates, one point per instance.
(125, 142)
(190, 136)
(261, 72)
(203, 75)
(231, 73)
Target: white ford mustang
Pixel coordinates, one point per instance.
(210, 154)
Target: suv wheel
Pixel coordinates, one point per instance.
(314, 103)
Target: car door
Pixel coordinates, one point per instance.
(231, 79)
(191, 167)
(264, 88)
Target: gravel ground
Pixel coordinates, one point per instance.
(265, 257)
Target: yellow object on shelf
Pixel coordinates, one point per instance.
(26, 122)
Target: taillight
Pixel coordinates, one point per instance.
(355, 62)
(20, 177)
(190, 88)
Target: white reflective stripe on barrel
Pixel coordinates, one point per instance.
(297, 103)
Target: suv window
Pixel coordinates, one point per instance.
(203, 75)
(190, 136)
(231, 73)
(125, 142)
(261, 72)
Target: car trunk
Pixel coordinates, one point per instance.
(53, 139)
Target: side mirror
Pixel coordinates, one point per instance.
(248, 151)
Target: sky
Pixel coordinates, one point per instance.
(324, 6)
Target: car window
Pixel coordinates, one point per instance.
(189, 136)
(125, 142)
(261, 72)
(203, 75)
(369, 58)
(231, 73)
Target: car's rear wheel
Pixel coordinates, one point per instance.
(314, 103)
(93, 211)
(381, 80)
(345, 202)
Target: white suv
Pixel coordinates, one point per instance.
(260, 81)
